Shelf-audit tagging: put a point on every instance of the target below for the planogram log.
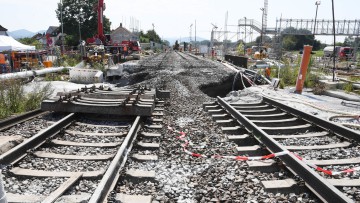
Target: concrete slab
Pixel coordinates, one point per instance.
(216, 111)
(216, 117)
(148, 146)
(141, 157)
(124, 198)
(305, 135)
(9, 142)
(335, 161)
(153, 126)
(266, 166)
(41, 173)
(17, 198)
(236, 130)
(44, 154)
(278, 184)
(70, 132)
(150, 135)
(254, 150)
(329, 146)
(344, 182)
(112, 109)
(288, 129)
(68, 143)
(134, 173)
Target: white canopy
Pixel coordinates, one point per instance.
(8, 43)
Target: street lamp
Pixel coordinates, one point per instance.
(245, 38)
(62, 27)
(317, 3)
(80, 17)
(262, 26)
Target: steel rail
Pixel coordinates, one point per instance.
(327, 125)
(20, 150)
(107, 182)
(321, 187)
(7, 123)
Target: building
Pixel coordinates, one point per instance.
(122, 34)
(3, 31)
(51, 38)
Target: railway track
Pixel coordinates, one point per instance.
(80, 158)
(269, 129)
(19, 128)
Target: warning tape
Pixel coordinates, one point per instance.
(247, 158)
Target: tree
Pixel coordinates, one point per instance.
(176, 46)
(30, 41)
(166, 43)
(88, 19)
(293, 42)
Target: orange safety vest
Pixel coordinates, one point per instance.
(125, 48)
(2, 59)
(267, 71)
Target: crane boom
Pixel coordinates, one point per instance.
(100, 11)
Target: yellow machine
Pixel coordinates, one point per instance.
(260, 52)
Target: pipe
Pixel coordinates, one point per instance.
(31, 73)
(303, 69)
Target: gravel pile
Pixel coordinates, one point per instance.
(326, 154)
(31, 162)
(312, 141)
(32, 186)
(80, 151)
(179, 177)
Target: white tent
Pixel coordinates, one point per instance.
(8, 43)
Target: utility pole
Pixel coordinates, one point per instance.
(262, 26)
(62, 27)
(190, 37)
(317, 3)
(195, 37)
(333, 14)
(245, 38)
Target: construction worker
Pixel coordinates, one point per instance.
(125, 51)
(267, 72)
(212, 53)
(2, 63)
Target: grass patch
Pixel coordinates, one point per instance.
(14, 100)
(349, 87)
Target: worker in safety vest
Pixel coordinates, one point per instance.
(2, 63)
(267, 72)
(125, 51)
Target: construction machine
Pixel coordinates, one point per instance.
(125, 47)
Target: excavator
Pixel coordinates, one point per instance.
(132, 47)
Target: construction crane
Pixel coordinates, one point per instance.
(133, 47)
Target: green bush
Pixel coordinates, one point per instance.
(349, 87)
(13, 98)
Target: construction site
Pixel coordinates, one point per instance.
(257, 113)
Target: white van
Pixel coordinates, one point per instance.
(329, 50)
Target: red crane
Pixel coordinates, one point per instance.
(132, 46)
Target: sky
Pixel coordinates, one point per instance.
(173, 18)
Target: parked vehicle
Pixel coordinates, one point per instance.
(329, 51)
(346, 53)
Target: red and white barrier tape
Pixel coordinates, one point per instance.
(246, 158)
